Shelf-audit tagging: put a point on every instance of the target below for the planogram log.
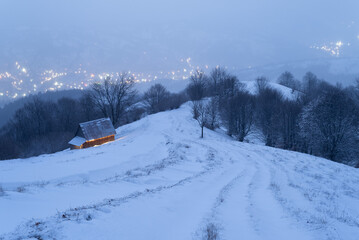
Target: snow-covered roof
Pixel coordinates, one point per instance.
(98, 128)
(77, 141)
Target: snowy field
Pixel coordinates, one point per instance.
(159, 180)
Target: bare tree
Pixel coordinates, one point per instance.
(268, 115)
(261, 84)
(156, 98)
(200, 113)
(8, 147)
(217, 76)
(88, 110)
(310, 82)
(177, 99)
(34, 119)
(356, 90)
(112, 97)
(196, 89)
(212, 113)
(228, 87)
(66, 114)
(289, 117)
(329, 124)
(287, 79)
(313, 87)
(243, 116)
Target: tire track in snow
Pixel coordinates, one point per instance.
(176, 155)
(152, 170)
(281, 182)
(234, 213)
(228, 216)
(267, 216)
(304, 208)
(67, 180)
(49, 228)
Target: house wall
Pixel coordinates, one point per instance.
(72, 147)
(98, 141)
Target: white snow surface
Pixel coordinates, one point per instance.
(159, 180)
(287, 93)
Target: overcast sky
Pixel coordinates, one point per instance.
(153, 35)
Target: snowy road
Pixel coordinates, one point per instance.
(158, 180)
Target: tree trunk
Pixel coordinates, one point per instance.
(202, 132)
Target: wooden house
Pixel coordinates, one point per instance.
(93, 133)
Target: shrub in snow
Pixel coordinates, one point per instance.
(20, 189)
(2, 192)
(211, 232)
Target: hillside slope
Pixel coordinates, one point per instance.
(287, 93)
(159, 180)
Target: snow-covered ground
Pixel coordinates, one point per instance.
(288, 93)
(159, 180)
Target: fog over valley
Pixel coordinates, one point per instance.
(68, 44)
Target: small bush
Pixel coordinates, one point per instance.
(20, 189)
(2, 192)
(211, 232)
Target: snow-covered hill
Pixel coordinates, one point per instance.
(288, 93)
(159, 180)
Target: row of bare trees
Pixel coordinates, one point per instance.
(42, 126)
(116, 98)
(322, 120)
(228, 104)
